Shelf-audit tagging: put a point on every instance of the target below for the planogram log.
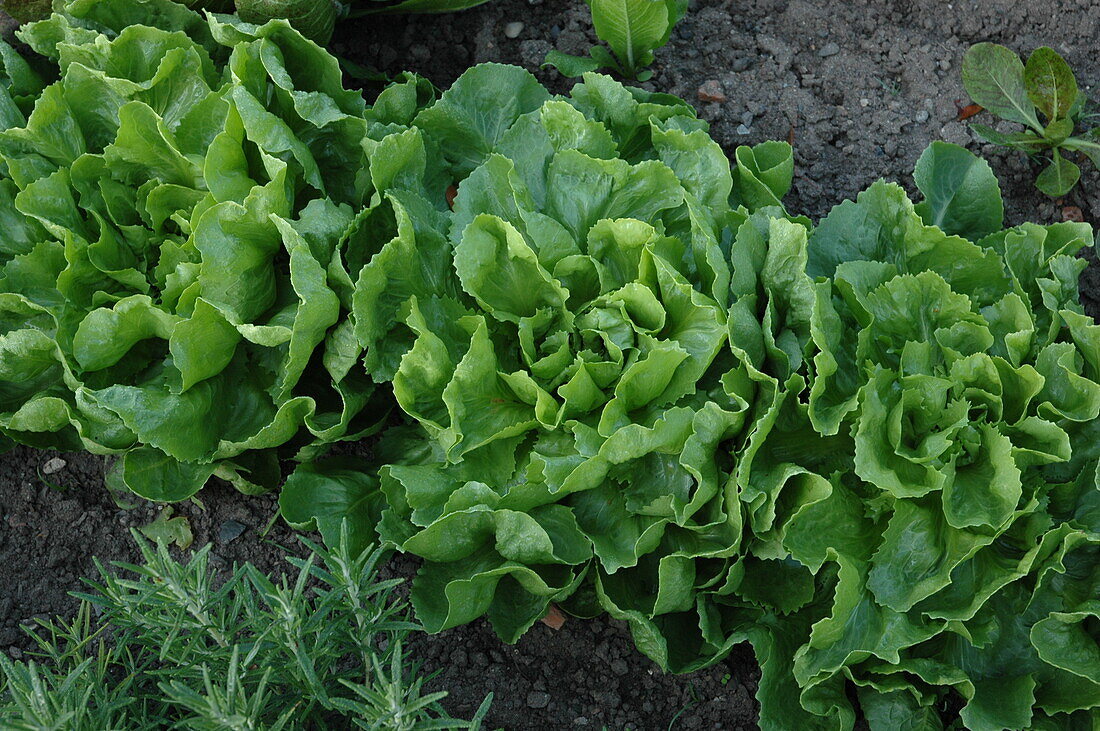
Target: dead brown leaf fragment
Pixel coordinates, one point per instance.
(554, 619)
(452, 191)
(967, 111)
(1072, 213)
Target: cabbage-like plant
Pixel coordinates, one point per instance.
(556, 348)
(631, 382)
(176, 277)
(315, 19)
(964, 534)
(639, 386)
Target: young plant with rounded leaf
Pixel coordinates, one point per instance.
(632, 30)
(1043, 96)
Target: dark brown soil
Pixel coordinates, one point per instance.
(862, 87)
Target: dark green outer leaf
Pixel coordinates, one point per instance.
(154, 475)
(323, 496)
(315, 19)
(427, 6)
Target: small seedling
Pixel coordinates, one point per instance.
(632, 30)
(1043, 96)
(167, 530)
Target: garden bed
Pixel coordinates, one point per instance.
(859, 89)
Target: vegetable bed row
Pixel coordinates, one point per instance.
(610, 371)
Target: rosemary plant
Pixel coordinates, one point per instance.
(160, 645)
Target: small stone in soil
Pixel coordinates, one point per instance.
(829, 49)
(746, 119)
(53, 465)
(230, 531)
(538, 699)
(711, 91)
(1072, 213)
(512, 30)
(742, 129)
(921, 116)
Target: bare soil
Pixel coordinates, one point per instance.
(860, 87)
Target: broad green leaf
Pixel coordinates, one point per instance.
(501, 271)
(514, 596)
(898, 710)
(331, 494)
(994, 78)
(315, 20)
(569, 65)
(1059, 177)
(881, 225)
(153, 475)
(1063, 640)
(1050, 84)
(962, 196)
(632, 28)
(472, 116)
(918, 552)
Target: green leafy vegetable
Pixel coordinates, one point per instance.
(166, 529)
(629, 380)
(315, 19)
(181, 244)
(632, 30)
(996, 79)
(640, 386)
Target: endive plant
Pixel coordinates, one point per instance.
(315, 19)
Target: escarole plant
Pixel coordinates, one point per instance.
(627, 379)
(637, 385)
(176, 278)
(315, 19)
(553, 346)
